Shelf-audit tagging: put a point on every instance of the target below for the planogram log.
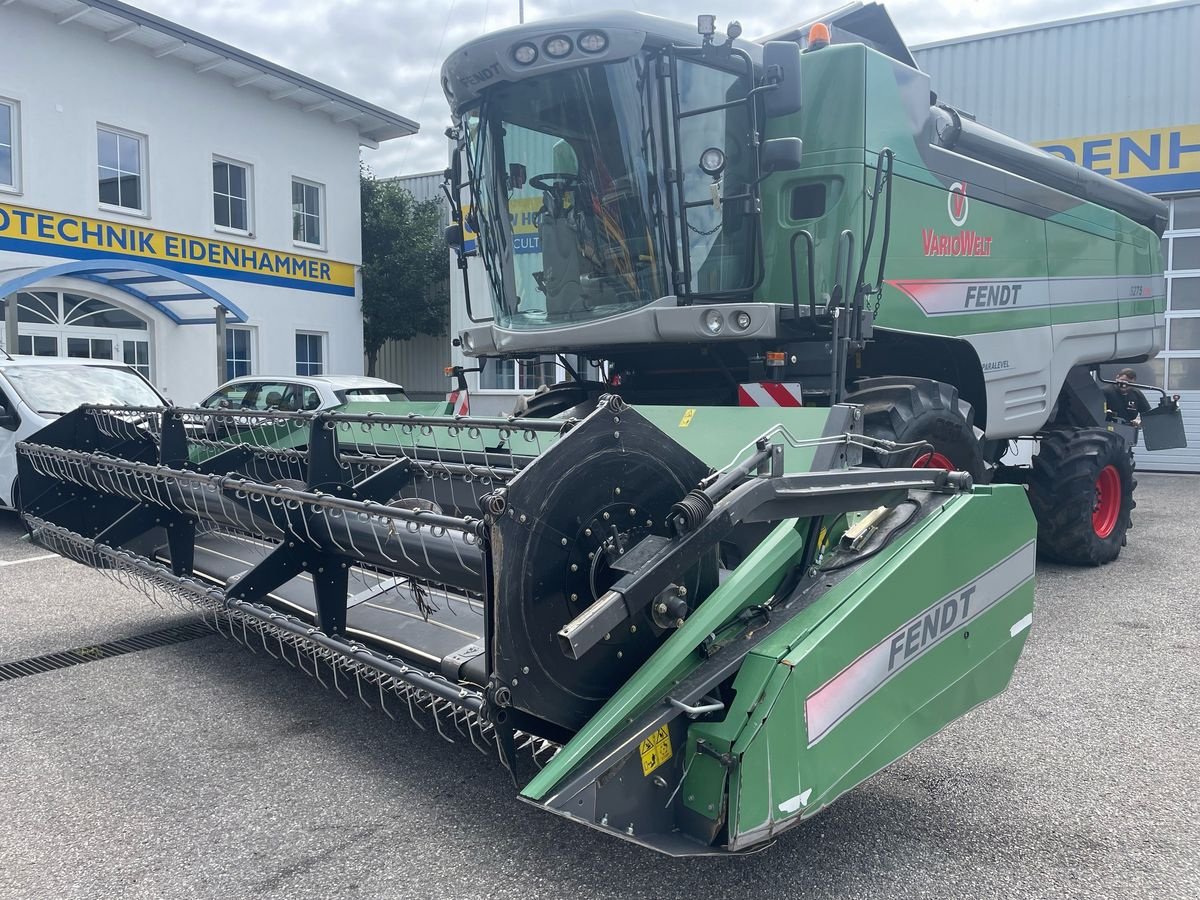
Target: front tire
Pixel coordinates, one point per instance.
(917, 410)
(1081, 490)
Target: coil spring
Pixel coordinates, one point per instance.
(691, 510)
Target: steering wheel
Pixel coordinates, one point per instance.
(565, 181)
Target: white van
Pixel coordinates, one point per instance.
(36, 390)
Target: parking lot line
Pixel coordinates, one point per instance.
(17, 562)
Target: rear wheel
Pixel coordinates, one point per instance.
(923, 412)
(1081, 490)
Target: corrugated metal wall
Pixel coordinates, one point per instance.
(1095, 76)
(418, 364)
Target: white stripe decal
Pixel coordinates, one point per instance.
(962, 296)
(1021, 624)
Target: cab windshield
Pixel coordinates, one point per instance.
(574, 220)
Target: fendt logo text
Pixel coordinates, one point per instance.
(956, 204)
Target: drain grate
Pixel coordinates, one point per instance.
(36, 665)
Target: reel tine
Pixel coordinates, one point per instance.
(383, 703)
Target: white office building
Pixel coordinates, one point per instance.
(174, 202)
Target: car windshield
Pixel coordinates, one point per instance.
(53, 390)
(376, 395)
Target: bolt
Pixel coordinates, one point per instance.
(523, 517)
(587, 532)
(710, 807)
(629, 830)
(564, 542)
(617, 491)
(661, 608)
(606, 517)
(617, 434)
(633, 629)
(591, 556)
(574, 597)
(607, 636)
(649, 523)
(514, 682)
(632, 511)
(678, 623)
(682, 591)
(574, 568)
(524, 670)
(619, 654)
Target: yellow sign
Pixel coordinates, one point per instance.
(79, 237)
(1157, 160)
(655, 750)
(688, 415)
(522, 219)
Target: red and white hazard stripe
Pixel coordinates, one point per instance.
(770, 393)
(460, 403)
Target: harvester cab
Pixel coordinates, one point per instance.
(669, 595)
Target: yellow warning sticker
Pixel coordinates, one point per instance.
(687, 418)
(655, 750)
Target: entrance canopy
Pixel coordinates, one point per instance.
(181, 298)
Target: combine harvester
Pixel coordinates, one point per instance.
(679, 614)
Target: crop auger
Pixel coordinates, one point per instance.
(689, 627)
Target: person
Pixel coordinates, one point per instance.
(1125, 401)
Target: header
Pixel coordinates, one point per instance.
(77, 237)
(1157, 160)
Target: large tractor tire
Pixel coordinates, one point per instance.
(915, 410)
(1081, 490)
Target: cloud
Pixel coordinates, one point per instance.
(389, 51)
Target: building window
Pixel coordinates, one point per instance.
(306, 212)
(310, 353)
(9, 145)
(519, 375)
(231, 195)
(122, 169)
(239, 352)
(137, 357)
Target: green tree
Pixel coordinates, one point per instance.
(405, 269)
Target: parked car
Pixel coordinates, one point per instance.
(302, 392)
(36, 390)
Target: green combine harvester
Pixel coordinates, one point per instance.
(764, 541)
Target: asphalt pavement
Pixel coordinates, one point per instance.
(203, 770)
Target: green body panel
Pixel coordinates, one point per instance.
(858, 102)
(779, 777)
(719, 435)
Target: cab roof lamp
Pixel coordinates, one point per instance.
(706, 25)
(818, 36)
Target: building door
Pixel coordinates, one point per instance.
(80, 326)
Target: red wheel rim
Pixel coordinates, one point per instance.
(1108, 501)
(933, 460)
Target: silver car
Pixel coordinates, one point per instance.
(302, 392)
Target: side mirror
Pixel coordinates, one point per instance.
(781, 65)
(454, 237)
(782, 154)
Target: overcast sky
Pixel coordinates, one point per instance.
(389, 51)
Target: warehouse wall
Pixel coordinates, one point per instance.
(1118, 72)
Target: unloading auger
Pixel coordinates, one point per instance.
(667, 630)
